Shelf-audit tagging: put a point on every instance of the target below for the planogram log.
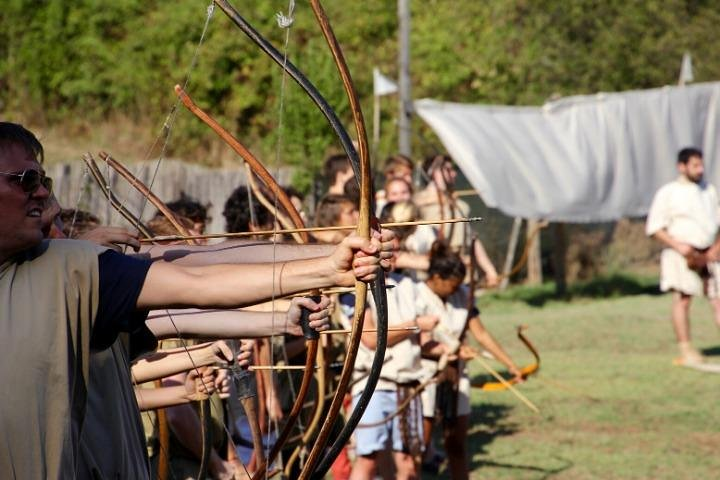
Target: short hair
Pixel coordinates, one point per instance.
(189, 207)
(237, 211)
(15, 134)
(77, 222)
(327, 213)
(444, 262)
(351, 190)
(160, 225)
(432, 161)
(334, 165)
(398, 160)
(687, 153)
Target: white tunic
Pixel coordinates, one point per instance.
(402, 360)
(690, 213)
(453, 316)
(687, 210)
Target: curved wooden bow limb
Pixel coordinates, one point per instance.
(246, 155)
(206, 236)
(299, 78)
(321, 378)
(525, 371)
(260, 195)
(525, 253)
(507, 384)
(379, 293)
(362, 175)
(145, 191)
(114, 201)
(205, 416)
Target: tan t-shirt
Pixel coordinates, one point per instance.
(48, 302)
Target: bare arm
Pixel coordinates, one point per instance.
(232, 286)
(234, 251)
(164, 363)
(415, 261)
(485, 264)
(425, 323)
(666, 239)
(238, 323)
(491, 345)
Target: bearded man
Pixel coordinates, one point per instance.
(684, 217)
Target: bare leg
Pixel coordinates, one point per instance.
(456, 448)
(680, 316)
(405, 466)
(364, 468)
(715, 302)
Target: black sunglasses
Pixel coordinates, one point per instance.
(30, 180)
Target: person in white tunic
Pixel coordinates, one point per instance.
(684, 217)
(443, 295)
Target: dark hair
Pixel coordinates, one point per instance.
(687, 153)
(329, 208)
(444, 262)
(77, 222)
(237, 211)
(432, 162)
(351, 190)
(334, 165)
(15, 134)
(187, 206)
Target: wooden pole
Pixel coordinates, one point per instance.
(534, 262)
(510, 256)
(559, 258)
(405, 103)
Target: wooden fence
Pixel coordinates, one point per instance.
(75, 187)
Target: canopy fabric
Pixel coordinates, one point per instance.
(583, 158)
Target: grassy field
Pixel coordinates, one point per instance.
(612, 403)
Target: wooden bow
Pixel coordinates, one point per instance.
(525, 371)
(361, 168)
(379, 294)
(204, 405)
(311, 340)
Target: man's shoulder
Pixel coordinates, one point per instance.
(59, 248)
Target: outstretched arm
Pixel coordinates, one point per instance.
(234, 251)
(231, 286)
(237, 323)
(491, 345)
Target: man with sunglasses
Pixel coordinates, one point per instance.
(54, 308)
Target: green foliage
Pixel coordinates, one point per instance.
(84, 62)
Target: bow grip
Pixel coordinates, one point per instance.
(245, 384)
(308, 332)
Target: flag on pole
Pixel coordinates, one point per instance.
(382, 85)
(686, 70)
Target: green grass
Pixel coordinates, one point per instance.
(612, 403)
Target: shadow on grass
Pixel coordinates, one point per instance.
(607, 286)
(711, 352)
(493, 418)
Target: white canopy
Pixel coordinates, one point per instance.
(579, 159)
